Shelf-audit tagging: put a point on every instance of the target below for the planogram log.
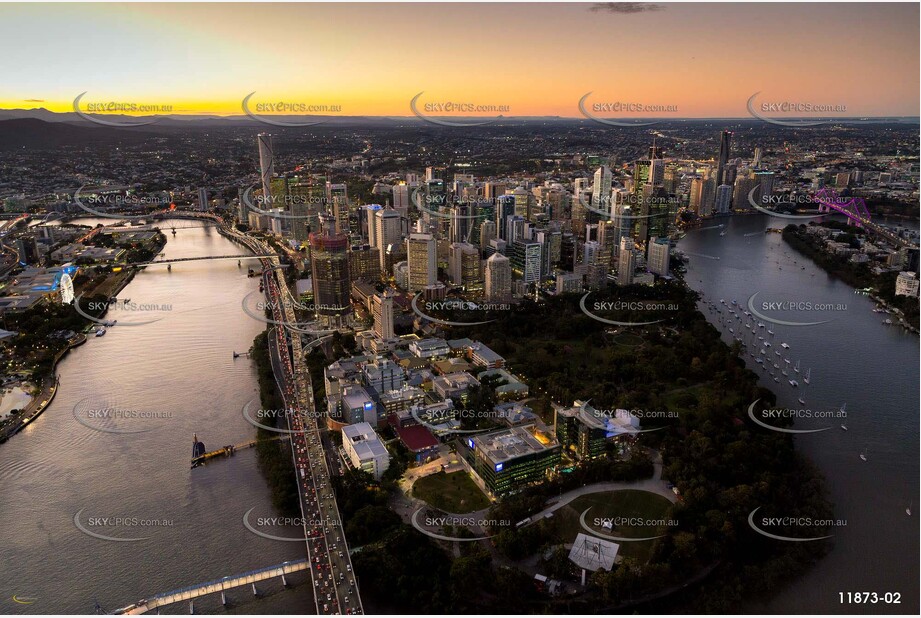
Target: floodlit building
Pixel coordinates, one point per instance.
(364, 449)
(508, 460)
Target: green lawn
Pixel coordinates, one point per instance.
(627, 503)
(454, 493)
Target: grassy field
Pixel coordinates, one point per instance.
(454, 493)
(627, 503)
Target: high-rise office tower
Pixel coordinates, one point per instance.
(364, 263)
(421, 260)
(388, 228)
(601, 189)
(657, 256)
(505, 207)
(401, 199)
(369, 215)
(523, 202)
(527, 261)
(487, 233)
(382, 305)
(515, 227)
(696, 194)
(337, 205)
(723, 199)
(626, 262)
(725, 141)
(329, 258)
(756, 160)
(464, 267)
(765, 182)
(498, 284)
(266, 166)
(202, 199)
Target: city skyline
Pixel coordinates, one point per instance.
(372, 59)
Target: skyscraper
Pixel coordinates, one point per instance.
(388, 233)
(625, 262)
(498, 279)
(421, 260)
(383, 315)
(657, 256)
(329, 260)
(266, 166)
(601, 189)
(725, 139)
(723, 199)
(464, 266)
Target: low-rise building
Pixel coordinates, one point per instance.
(364, 449)
(509, 460)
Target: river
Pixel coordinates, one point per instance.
(162, 382)
(854, 359)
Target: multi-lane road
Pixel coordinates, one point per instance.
(334, 584)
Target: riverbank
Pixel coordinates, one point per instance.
(42, 399)
(858, 276)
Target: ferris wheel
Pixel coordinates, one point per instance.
(66, 287)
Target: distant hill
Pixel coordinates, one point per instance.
(35, 134)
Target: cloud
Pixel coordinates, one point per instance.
(625, 7)
(34, 100)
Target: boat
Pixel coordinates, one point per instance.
(887, 322)
(796, 366)
(776, 366)
(843, 426)
(722, 233)
(731, 331)
(761, 351)
(843, 409)
(802, 399)
(770, 332)
(787, 361)
(776, 352)
(908, 510)
(794, 383)
(806, 377)
(759, 360)
(784, 372)
(100, 332)
(785, 346)
(776, 379)
(863, 455)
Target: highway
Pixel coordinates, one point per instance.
(335, 588)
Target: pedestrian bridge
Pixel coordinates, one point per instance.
(218, 585)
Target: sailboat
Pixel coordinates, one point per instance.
(863, 455)
(802, 398)
(843, 411)
(806, 377)
(908, 510)
(796, 366)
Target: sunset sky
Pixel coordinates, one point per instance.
(537, 59)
